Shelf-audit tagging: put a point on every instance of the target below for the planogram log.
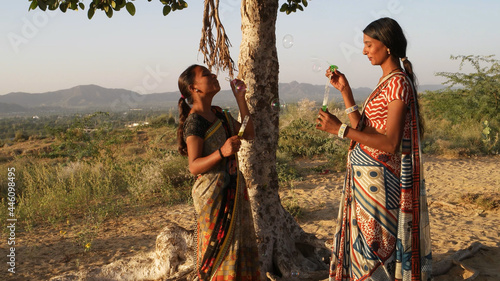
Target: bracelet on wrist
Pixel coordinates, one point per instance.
(220, 153)
(342, 129)
(351, 109)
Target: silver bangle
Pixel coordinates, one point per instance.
(342, 129)
(351, 109)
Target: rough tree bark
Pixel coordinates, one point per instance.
(286, 251)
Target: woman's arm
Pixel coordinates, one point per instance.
(388, 140)
(339, 81)
(198, 163)
(239, 90)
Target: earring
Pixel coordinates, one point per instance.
(388, 51)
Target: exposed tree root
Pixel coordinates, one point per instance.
(445, 265)
(296, 255)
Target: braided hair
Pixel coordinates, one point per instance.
(186, 79)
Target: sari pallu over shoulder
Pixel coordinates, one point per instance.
(381, 216)
(221, 202)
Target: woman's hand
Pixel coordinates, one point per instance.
(239, 88)
(328, 122)
(337, 80)
(231, 146)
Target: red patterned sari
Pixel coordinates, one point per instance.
(383, 224)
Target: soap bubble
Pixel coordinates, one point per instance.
(288, 41)
(316, 67)
(277, 104)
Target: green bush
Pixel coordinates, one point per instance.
(464, 120)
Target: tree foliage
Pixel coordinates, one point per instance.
(111, 6)
(481, 88)
(473, 95)
(291, 6)
(469, 106)
(107, 6)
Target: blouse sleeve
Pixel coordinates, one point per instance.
(399, 89)
(195, 125)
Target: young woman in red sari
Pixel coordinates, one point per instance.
(383, 225)
(227, 247)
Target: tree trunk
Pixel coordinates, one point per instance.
(286, 251)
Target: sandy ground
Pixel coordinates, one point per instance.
(49, 251)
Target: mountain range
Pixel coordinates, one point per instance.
(93, 97)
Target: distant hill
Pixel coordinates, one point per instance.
(11, 108)
(92, 97)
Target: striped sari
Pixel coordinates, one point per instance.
(383, 224)
(226, 242)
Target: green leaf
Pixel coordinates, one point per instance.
(304, 2)
(42, 6)
(113, 4)
(166, 10)
(82, 6)
(63, 7)
(91, 13)
(33, 5)
(300, 8)
(284, 7)
(109, 12)
(130, 8)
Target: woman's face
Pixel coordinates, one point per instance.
(375, 50)
(205, 81)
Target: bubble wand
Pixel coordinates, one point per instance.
(243, 126)
(327, 89)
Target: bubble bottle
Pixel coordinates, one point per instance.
(327, 89)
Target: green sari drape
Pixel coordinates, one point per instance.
(226, 241)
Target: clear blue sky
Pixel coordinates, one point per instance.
(46, 51)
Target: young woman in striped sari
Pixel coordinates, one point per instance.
(227, 247)
(383, 225)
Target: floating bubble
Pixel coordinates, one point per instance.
(277, 104)
(316, 67)
(288, 41)
(319, 65)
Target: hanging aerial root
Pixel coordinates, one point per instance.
(215, 50)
